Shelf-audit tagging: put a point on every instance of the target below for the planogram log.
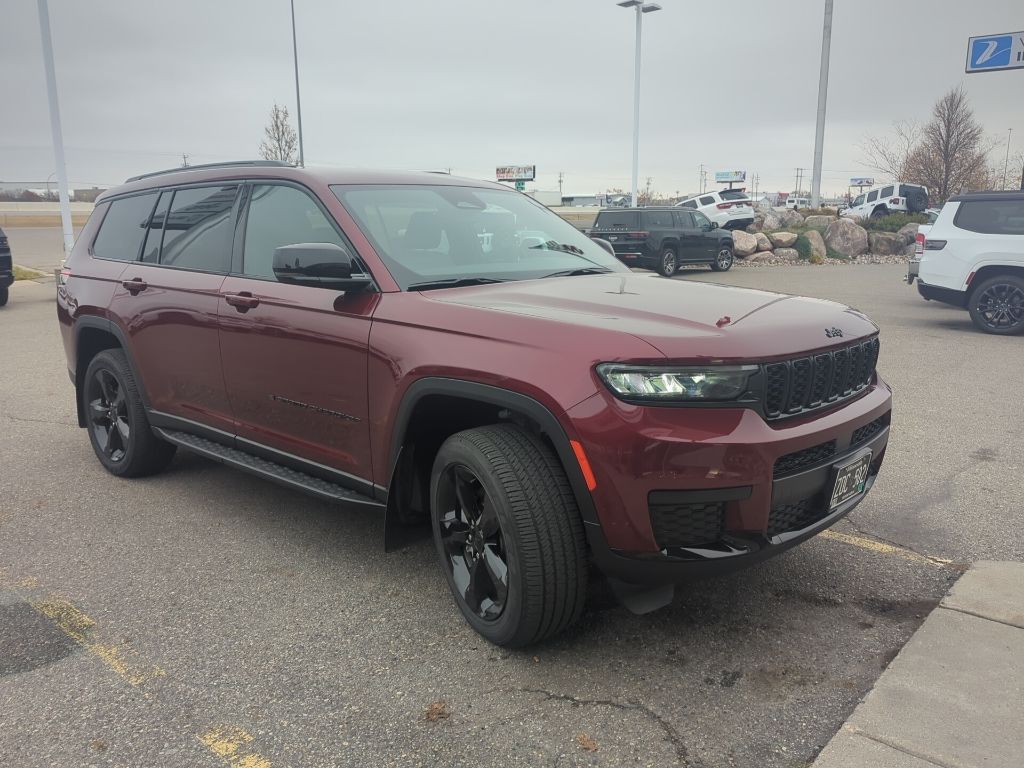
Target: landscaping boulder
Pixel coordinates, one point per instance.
(756, 224)
(768, 221)
(760, 256)
(791, 219)
(743, 244)
(885, 243)
(786, 254)
(846, 237)
(817, 243)
(910, 249)
(763, 243)
(782, 239)
(908, 232)
(819, 221)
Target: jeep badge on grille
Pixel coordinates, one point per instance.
(833, 333)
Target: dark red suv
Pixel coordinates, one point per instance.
(449, 350)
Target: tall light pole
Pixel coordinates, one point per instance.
(1006, 160)
(819, 130)
(298, 101)
(641, 8)
(58, 136)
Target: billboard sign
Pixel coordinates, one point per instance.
(729, 177)
(991, 53)
(516, 172)
(862, 181)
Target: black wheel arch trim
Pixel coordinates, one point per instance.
(106, 325)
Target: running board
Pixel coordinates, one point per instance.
(268, 470)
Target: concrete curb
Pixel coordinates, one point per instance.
(954, 696)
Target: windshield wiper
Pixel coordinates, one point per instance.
(452, 282)
(551, 245)
(579, 271)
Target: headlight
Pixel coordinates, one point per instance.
(712, 383)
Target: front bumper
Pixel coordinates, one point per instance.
(727, 463)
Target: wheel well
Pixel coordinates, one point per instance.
(433, 420)
(993, 270)
(91, 341)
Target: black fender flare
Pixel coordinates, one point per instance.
(108, 326)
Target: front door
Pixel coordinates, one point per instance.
(690, 241)
(294, 356)
(707, 238)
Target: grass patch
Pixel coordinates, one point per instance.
(803, 247)
(819, 212)
(893, 222)
(24, 273)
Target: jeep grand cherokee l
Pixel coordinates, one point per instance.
(451, 352)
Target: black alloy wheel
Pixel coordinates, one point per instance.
(108, 414)
(997, 305)
(473, 542)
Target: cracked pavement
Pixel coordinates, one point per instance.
(216, 619)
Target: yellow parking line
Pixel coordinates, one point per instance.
(80, 628)
(883, 548)
(227, 743)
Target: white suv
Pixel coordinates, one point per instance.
(974, 258)
(888, 198)
(730, 208)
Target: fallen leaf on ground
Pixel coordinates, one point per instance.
(586, 742)
(437, 711)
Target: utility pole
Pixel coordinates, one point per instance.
(1006, 160)
(561, 176)
(648, 190)
(298, 101)
(184, 160)
(819, 130)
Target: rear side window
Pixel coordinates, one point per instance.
(689, 204)
(887, 191)
(872, 196)
(658, 219)
(707, 200)
(198, 231)
(684, 219)
(991, 217)
(732, 194)
(616, 220)
(124, 226)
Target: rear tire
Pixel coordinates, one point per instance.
(502, 508)
(997, 305)
(4, 294)
(116, 419)
(723, 260)
(668, 262)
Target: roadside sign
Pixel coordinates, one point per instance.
(862, 181)
(520, 186)
(992, 53)
(516, 172)
(730, 177)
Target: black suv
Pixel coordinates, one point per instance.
(663, 239)
(6, 268)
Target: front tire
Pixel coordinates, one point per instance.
(879, 213)
(116, 419)
(668, 262)
(997, 305)
(723, 259)
(508, 534)
(4, 294)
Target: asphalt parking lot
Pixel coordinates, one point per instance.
(205, 618)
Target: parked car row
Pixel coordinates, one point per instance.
(6, 268)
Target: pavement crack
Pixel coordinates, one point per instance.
(939, 561)
(671, 734)
(38, 421)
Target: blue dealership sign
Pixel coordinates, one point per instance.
(989, 53)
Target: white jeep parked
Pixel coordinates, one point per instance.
(974, 258)
(888, 198)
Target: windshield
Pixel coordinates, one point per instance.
(443, 234)
(859, 200)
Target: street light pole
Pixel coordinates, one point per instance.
(58, 136)
(640, 8)
(298, 101)
(819, 130)
(1006, 160)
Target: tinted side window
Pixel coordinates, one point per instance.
(886, 191)
(1003, 217)
(151, 250)
(124, 226)
(701, 220)
(610, 219)
(707, 200)
(872, 196)
(281, 215)
(684, 219)
(689, 204)
(657, 219)
(197, 230)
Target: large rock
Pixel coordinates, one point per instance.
(908, 232)
(787, 254)
(743, 244)
(782, 239)
(819, 221)
(817, 243)
(885, 243)
(767, 221)
(791, 218)
(846, 237)
(763, 243)
(910, 249)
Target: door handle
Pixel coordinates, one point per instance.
(241, 301)
(135, 285)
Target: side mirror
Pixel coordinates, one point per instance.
(714, 225)
(604, 244)
(323, 265)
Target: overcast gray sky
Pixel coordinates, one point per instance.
(433, 84)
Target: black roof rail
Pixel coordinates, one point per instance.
(204, 166)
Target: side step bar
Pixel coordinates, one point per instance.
(268, 470)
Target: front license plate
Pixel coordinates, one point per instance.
(850, 480)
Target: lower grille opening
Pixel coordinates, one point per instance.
(798, 460)
(792, 517)
(869, 430)
(687, 525)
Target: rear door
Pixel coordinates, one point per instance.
(690, 241)
(166, 303)
(662, 230)
(622, 229)
(294, 356)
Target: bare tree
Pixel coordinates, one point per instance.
(891, 155)
(281, 140)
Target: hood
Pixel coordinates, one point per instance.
(683, 320)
